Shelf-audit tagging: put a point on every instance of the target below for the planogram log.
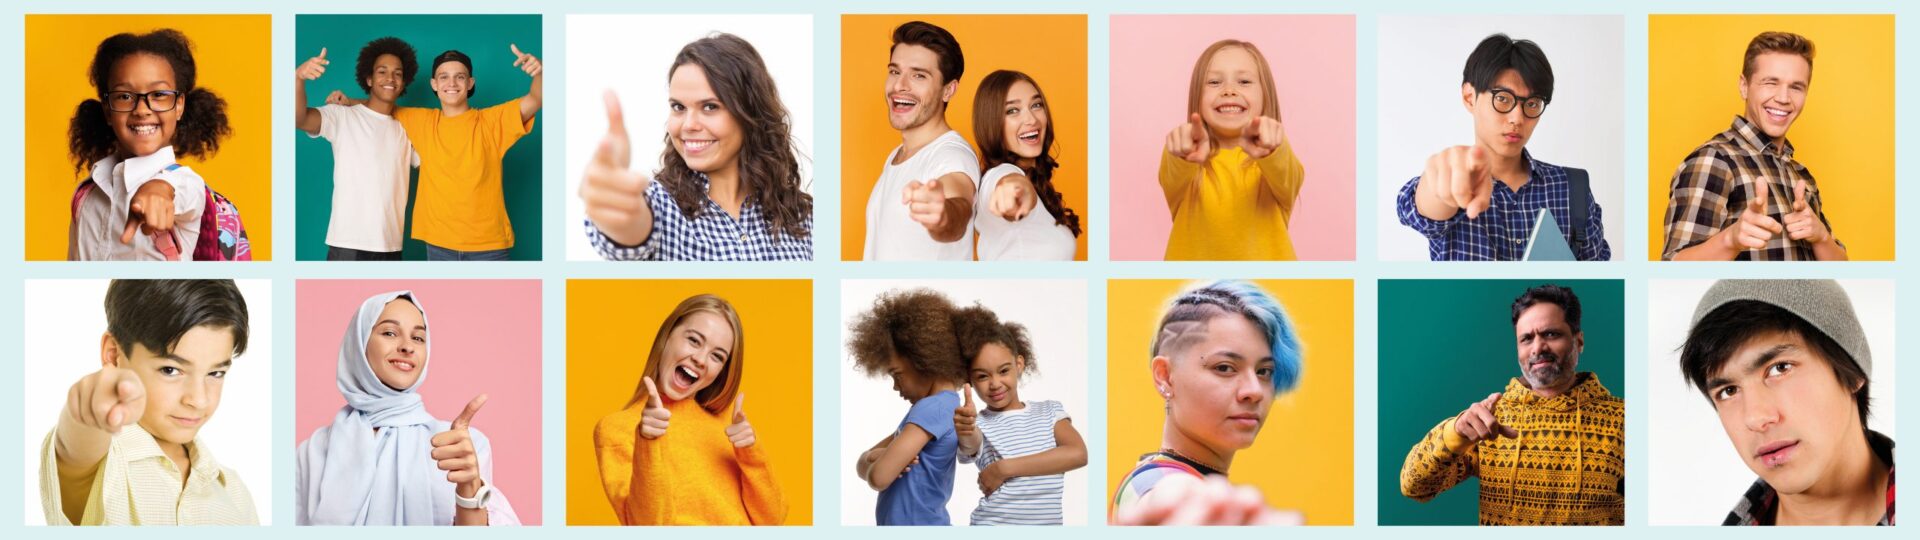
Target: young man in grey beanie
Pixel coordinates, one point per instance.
(1785, 364)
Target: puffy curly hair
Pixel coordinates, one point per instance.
(917, 325)
(203, 120)
(976, 326)
(370, 54)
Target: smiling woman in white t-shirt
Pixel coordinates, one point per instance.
(371, 153)
(1019, 213)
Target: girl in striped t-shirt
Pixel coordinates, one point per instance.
(1023, 448)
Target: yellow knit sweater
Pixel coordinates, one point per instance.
(1234, 208)
(1568, 467)
(691, 476)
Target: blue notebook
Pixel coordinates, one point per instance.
(1548, 243)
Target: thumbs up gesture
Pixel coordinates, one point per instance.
(1460, 177)
(526, 62)
(1802, 224)
(653, 420)
(1262, 138)
(616, 198)
(965, 417)
(107, 400)
(453, 450)
(1189, 141)
(314, 67)
(1479, 422)
(926, 202)
(740, 432)
(1754, 228)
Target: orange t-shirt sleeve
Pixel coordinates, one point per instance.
(504, 121)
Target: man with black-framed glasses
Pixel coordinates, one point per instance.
(1741, 196)
(1457, 204)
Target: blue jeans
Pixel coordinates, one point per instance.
(437, 253)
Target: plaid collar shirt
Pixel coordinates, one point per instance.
(1761, 505)
(1501, 233)
(1715, 182)
(713, 235)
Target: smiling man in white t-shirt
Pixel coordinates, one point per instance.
(371, 153)
(922, 207)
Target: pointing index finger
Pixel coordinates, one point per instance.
(466, 415)
(1760, 196)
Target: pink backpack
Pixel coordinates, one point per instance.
(222, 236)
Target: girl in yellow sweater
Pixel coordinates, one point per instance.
(1229, 176)
(675, 455)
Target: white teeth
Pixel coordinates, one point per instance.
(146, 129)
(688, 372)
(1231, 109)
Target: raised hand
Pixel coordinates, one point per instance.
(107, 400)
(1754, 228)
(926, 202)
(1461, 178)
(151, 210)
(1480, 421)
(614, 195)
(1012, 199)
(314, 67)
(1262, 138)
(740, 432)
(453, 450)
(1189, 140)
(1802, 224)
(526, 62)
(653, 420)
(1187, 500)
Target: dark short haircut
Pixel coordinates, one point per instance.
(1777, 42)
(370, 54)
(454, 56)
(936, 39)
(154, 313)
(978, 326)
(1712, 342)
(916, 325)
(1551, 294)
(1499, 53)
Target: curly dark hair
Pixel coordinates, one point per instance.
(916, 325)
(769, 167)
(409, 62)
(203, 120)
(988, 107)
(976, 326)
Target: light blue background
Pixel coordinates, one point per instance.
(827, 272)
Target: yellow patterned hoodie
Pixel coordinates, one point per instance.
(1567, 467)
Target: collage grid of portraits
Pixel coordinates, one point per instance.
(1367, 270)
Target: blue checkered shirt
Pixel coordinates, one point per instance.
(1501, 233)
(713, 236)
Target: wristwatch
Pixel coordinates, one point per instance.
(478, 501)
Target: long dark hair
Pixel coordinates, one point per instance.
(768, 164)
(990, 132)
(203, 121)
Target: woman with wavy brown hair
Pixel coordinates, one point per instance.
(1019, 213)
(681, 451)
(729, 184)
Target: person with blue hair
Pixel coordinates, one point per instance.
(1221, 354)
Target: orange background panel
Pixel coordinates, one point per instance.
(1050, 48)
(610, 329)
(1844, 134)
(1303, 457)
(231, 54)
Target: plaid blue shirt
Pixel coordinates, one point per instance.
(713, 236)
(1501, 233)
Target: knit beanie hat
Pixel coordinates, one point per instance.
(1821, 302)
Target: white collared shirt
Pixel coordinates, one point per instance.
(94, 234)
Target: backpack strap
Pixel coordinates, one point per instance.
(79, 194)
(1577, 191)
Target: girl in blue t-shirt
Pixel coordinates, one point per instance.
(908, 336)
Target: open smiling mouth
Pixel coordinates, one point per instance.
(402, 365)
(903, 106)
(1030, 137)
(684, 377)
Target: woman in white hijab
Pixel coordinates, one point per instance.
(384, 460)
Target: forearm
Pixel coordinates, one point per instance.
(954, 224)
(760, 492)
(1715, 248)
(1283, 175)
(469, 516)
(530, 103)
(969, 445)
(304, 117)
(1176, 178)
(1430, 204)
(1830, 250)
(1440, 461)
(1056, 460)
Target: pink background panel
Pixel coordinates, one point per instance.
(486, 339)
(1151, 63)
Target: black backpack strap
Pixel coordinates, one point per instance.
(1577, 205)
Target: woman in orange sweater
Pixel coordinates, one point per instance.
(675, 455)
